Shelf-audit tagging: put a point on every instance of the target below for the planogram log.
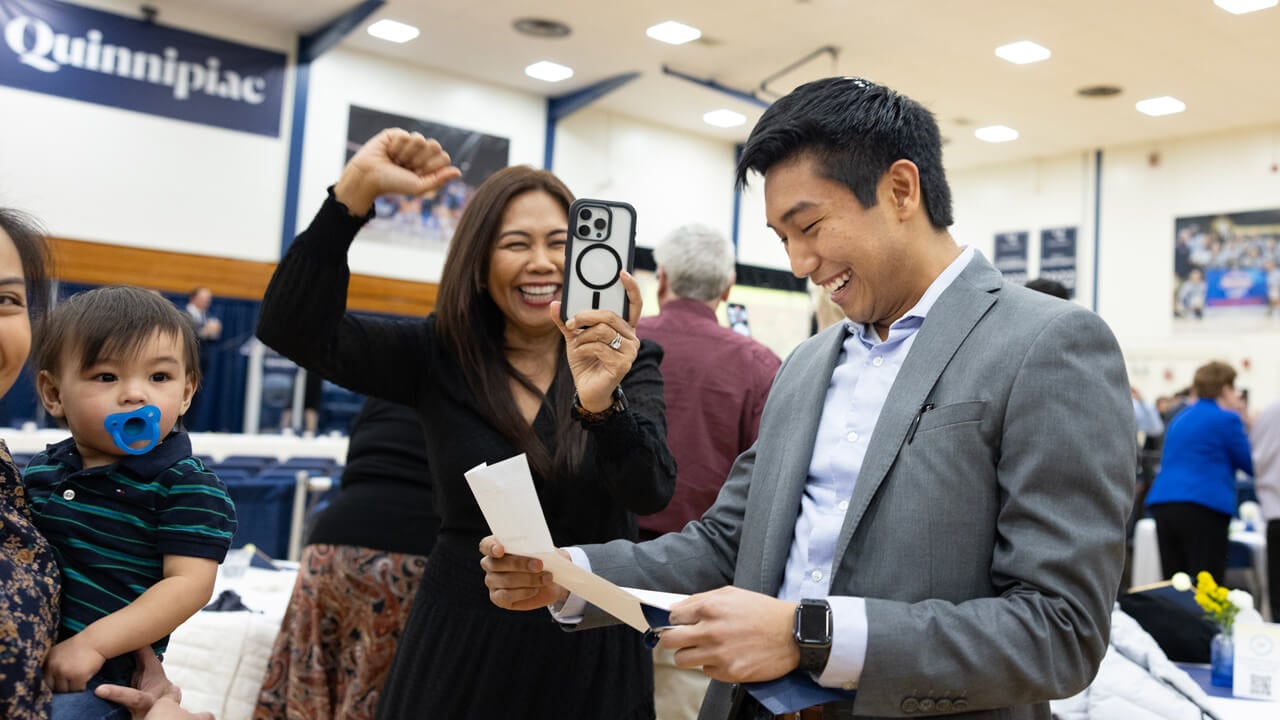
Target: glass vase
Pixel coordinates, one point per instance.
(1222, 657)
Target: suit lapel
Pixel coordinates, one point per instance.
(802, 407)
(948, 323)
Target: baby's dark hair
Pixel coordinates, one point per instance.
(111, 322)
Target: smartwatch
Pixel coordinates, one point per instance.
(813, 634)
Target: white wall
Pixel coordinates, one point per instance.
(1028, 196)
(671, 177)
(343, 78)
(1228, 172)
(757, 244)
(103, 174)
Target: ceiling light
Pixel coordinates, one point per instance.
(1240, 7)
(673, 32)
(1021, 53)
(549, 71)
(724, 118)
(392, 31)
(996, 134)
(1164, 105)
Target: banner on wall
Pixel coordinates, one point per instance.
(84, 54)
(1225, 270)
(426, 222)
(1058, 256)
(1011, 256)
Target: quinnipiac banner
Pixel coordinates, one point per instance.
(1058, 256)
(1011, 256)
(79, 53)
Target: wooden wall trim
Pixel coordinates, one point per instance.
(103, 264)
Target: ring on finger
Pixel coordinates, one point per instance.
(616, 342)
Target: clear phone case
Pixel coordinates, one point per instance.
(602, 243)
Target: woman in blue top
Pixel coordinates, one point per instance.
(1194, 495)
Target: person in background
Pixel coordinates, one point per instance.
(715, 382)
(1151, 428)
(934, 512)
(208, 328)
(1049, 287)
(1193, 497)
(1264, 435)
(312, 397)
(492, 373)
(208, 331)
(358, 575)
(139, 525)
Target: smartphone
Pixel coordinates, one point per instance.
(602, 243)
(738, 318)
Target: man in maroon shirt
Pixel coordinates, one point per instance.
(715, 384)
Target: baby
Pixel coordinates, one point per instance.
(138, 524)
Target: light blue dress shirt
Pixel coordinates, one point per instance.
(864, 373)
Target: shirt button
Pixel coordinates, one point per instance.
(851, 437)
(816, 575)
(844, 505)
(878, 361)
(68, 494)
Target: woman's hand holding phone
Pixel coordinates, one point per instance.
(601, 347)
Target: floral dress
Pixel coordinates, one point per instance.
(29, 588)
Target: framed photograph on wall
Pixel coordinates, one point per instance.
(1227, 270)
(426, 222)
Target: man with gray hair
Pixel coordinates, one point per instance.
(715, 384)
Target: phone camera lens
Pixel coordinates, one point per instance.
(599, 223)
(584, 213)
(583, 231)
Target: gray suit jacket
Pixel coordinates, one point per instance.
(989, 548)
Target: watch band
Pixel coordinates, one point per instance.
(619, 405)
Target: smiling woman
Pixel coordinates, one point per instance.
(492, 373)
(29, 578)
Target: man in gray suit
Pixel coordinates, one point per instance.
(934, 512)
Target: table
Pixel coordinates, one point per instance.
(215, 445)
(1222, 702)
(1146, 558)
(219, 659)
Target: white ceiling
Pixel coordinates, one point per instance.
(940, 52)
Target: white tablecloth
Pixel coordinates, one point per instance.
(1146, 558)
(220, 658)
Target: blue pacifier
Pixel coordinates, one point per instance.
(130, 428)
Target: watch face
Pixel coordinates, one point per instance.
(815, 624)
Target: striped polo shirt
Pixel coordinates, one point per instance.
(111, 526)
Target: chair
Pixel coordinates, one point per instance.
(314, 465)
(263, 508)
(253, 464)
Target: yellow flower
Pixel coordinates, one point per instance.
(1213, 599)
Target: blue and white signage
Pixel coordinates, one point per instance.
(1058, 256)
(1011, 256)
(84, 54)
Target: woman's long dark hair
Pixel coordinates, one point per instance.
(473, 327)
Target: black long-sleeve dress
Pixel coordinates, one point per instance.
(460, 656)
